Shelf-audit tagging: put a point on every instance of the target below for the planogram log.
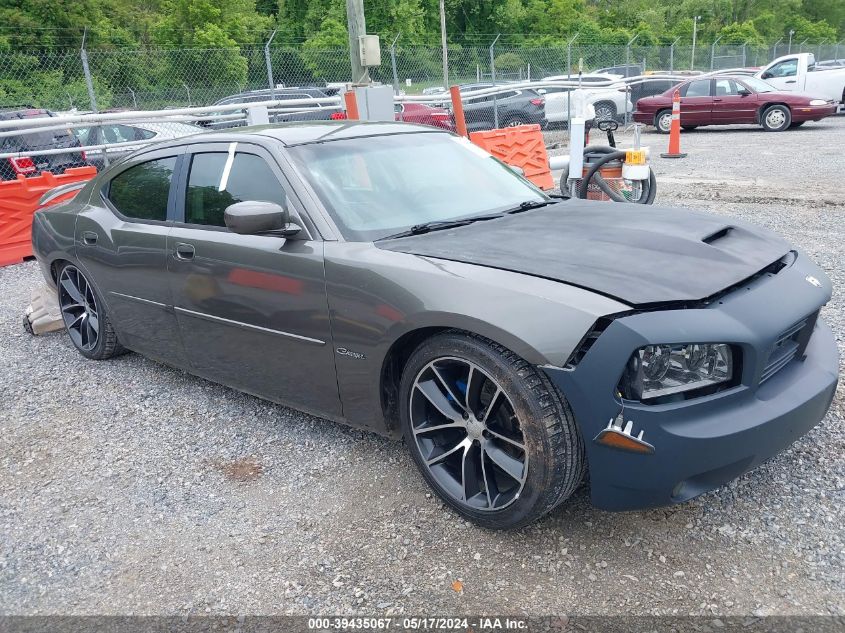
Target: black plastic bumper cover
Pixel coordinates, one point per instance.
(704, 442)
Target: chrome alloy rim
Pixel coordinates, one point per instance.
(665, 122)
(79, 308)
(468, 435)
(775, 118)
(604, 113)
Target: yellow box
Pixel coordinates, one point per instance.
(635, 156)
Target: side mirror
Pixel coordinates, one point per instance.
(743, 92)
(252, 216)
(766, 75)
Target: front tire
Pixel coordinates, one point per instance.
(663, 121)
(776, 118)
(85, 316)
(489, 432)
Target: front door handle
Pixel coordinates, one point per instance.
(789, 81)
(184, 251)
(716, 100)
(89, 237)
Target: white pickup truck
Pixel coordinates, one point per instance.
(798, 72)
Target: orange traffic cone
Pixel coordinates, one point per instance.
(675, 130)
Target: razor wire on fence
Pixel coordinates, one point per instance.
(160, 78)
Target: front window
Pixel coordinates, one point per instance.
(217, 181)
(726, 88)
(378, 186)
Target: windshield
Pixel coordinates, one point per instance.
(757, 85)
(379, 186)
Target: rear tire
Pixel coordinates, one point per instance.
(488, 431)
(515, 120)
(776, 118)
(85, 315)
(663, 121)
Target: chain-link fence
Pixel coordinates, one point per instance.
(155, 78)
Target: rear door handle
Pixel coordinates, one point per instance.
(184, 251)
(89, 237)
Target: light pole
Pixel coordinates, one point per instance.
(791, 33)
(694, 33)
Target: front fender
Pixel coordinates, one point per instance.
(376, 297)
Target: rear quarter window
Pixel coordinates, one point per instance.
(141, 192)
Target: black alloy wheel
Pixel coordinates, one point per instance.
(84, 316)
(467, 431)
(489, 432)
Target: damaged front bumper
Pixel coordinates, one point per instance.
(701, 443)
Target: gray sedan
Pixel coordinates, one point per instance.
(399, 279)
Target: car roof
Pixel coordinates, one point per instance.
(300, 133)
(17, 112)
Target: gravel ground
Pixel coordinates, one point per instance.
(129, 487)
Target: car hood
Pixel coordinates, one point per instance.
(640, 255)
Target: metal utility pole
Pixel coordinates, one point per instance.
(443, 44)
(694, 33)
(393, 63)
(493, 77)
(569, 56)
(270, 81)
(789, 50)
(628, 52)
(713, 51)
(89, 82)
(357, 26)
(775, 48)
(672, 55)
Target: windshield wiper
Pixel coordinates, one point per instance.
(528, 205)
(440, 225)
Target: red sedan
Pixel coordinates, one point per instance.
(728, 100)
(425, 115)
(418, 113)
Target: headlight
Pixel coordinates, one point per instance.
(662, 370)
(818, 102)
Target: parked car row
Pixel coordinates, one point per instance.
(785, 94)
(731, 100)
(31, 144)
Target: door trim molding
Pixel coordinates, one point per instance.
(138, 299)
(247, 326)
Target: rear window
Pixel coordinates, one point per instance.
(699, 88)
(41, 140)
(141, 192)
